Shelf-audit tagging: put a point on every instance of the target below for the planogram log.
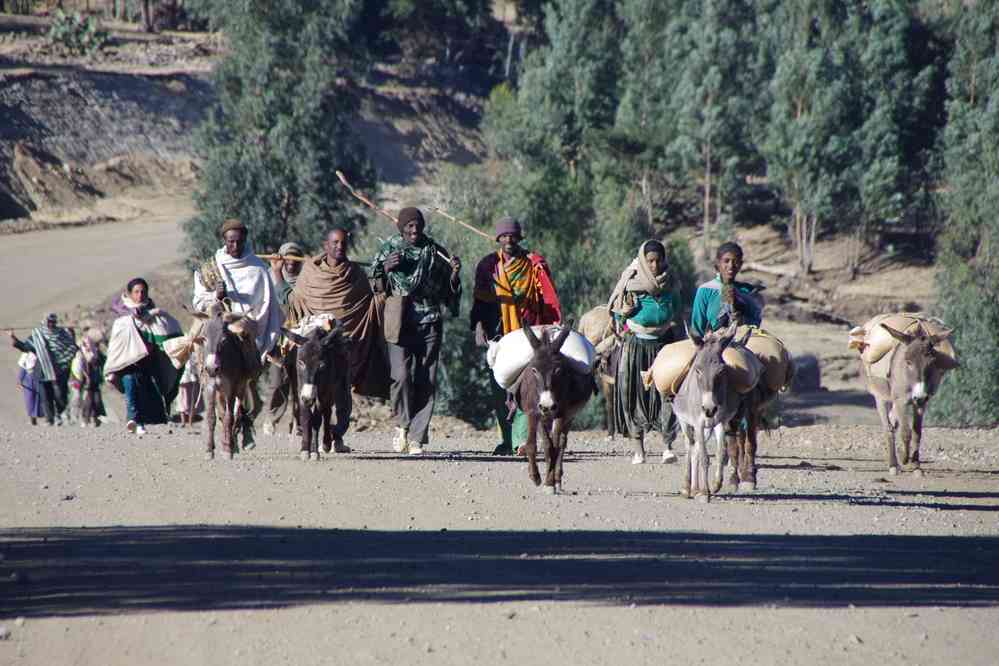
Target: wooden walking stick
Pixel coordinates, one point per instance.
(464, 224)
(377, 209)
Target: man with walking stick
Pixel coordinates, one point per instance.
(419, 283)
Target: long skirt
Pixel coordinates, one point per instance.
(31, 392)
(639, 411)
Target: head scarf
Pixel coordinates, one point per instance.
(291, 248)
(638, 278)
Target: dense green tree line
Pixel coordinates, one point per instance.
(860, 116)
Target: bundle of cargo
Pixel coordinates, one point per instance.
(510, 355)
(874, 342)
(763, 359)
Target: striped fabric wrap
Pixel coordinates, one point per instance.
(55, 349)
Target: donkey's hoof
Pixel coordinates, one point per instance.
(314, 456)
(918, 473)
(669, 457)
(893, 471)
(747, 486)
(303, 455)
(547, 490)
(702, 498)
(209, 455)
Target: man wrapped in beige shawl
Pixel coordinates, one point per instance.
(332, 284)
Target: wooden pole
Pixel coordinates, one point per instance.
(378, 209)
(464, 224)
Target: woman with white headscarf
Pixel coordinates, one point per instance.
(136, 363)
(644, 308)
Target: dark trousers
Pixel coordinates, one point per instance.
(55, 395)
(413, 363)
(279, 387)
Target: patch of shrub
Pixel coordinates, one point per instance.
(77, 34)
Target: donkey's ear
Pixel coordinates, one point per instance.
(562, 335)
(694, 337)
(197, 314)
(295, 338)
(940, 337)
(729, 335)
(904, 338)
(531, 338)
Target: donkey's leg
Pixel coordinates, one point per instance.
(903, 414)
(547, 425)
(747, 470)
(326, 412)
(305, 419)
(210, 417)
(532, 448)
(559, 445)
(688, 440)
(228, 425)
(735, 444)
(917, 438)
(721, 457)
(699, 466)
(883, 407)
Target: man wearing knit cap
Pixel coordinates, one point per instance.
(513, 289)
(284, 273)
(420, 278)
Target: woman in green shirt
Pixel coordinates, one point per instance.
(644, 308)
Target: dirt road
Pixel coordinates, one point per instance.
(117, 550)
(57, 270)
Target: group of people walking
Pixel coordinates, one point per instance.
(393, 315)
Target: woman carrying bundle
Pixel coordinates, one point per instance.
(136, 363)
(644, 307)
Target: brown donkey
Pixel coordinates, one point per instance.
(915, 369)
(228, 374)
(551, 393)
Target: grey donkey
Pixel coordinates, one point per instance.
(705, 406)
(915, 370)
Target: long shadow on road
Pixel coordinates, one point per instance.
(114, 570)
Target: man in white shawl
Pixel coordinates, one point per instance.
(241, 281)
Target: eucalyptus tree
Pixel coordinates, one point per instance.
(968, 283)
(282, 124)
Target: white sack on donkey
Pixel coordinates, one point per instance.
(510, 355)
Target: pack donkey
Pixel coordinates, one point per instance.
(228, 378)
(321, 373)
(915, 369)
(707, 404)
(551, 393)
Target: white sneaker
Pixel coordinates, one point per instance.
(399, 443)
(268, 428)
(415, 449)
(131, 426)
(669, 456)
(140, 431)
(637, 458)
